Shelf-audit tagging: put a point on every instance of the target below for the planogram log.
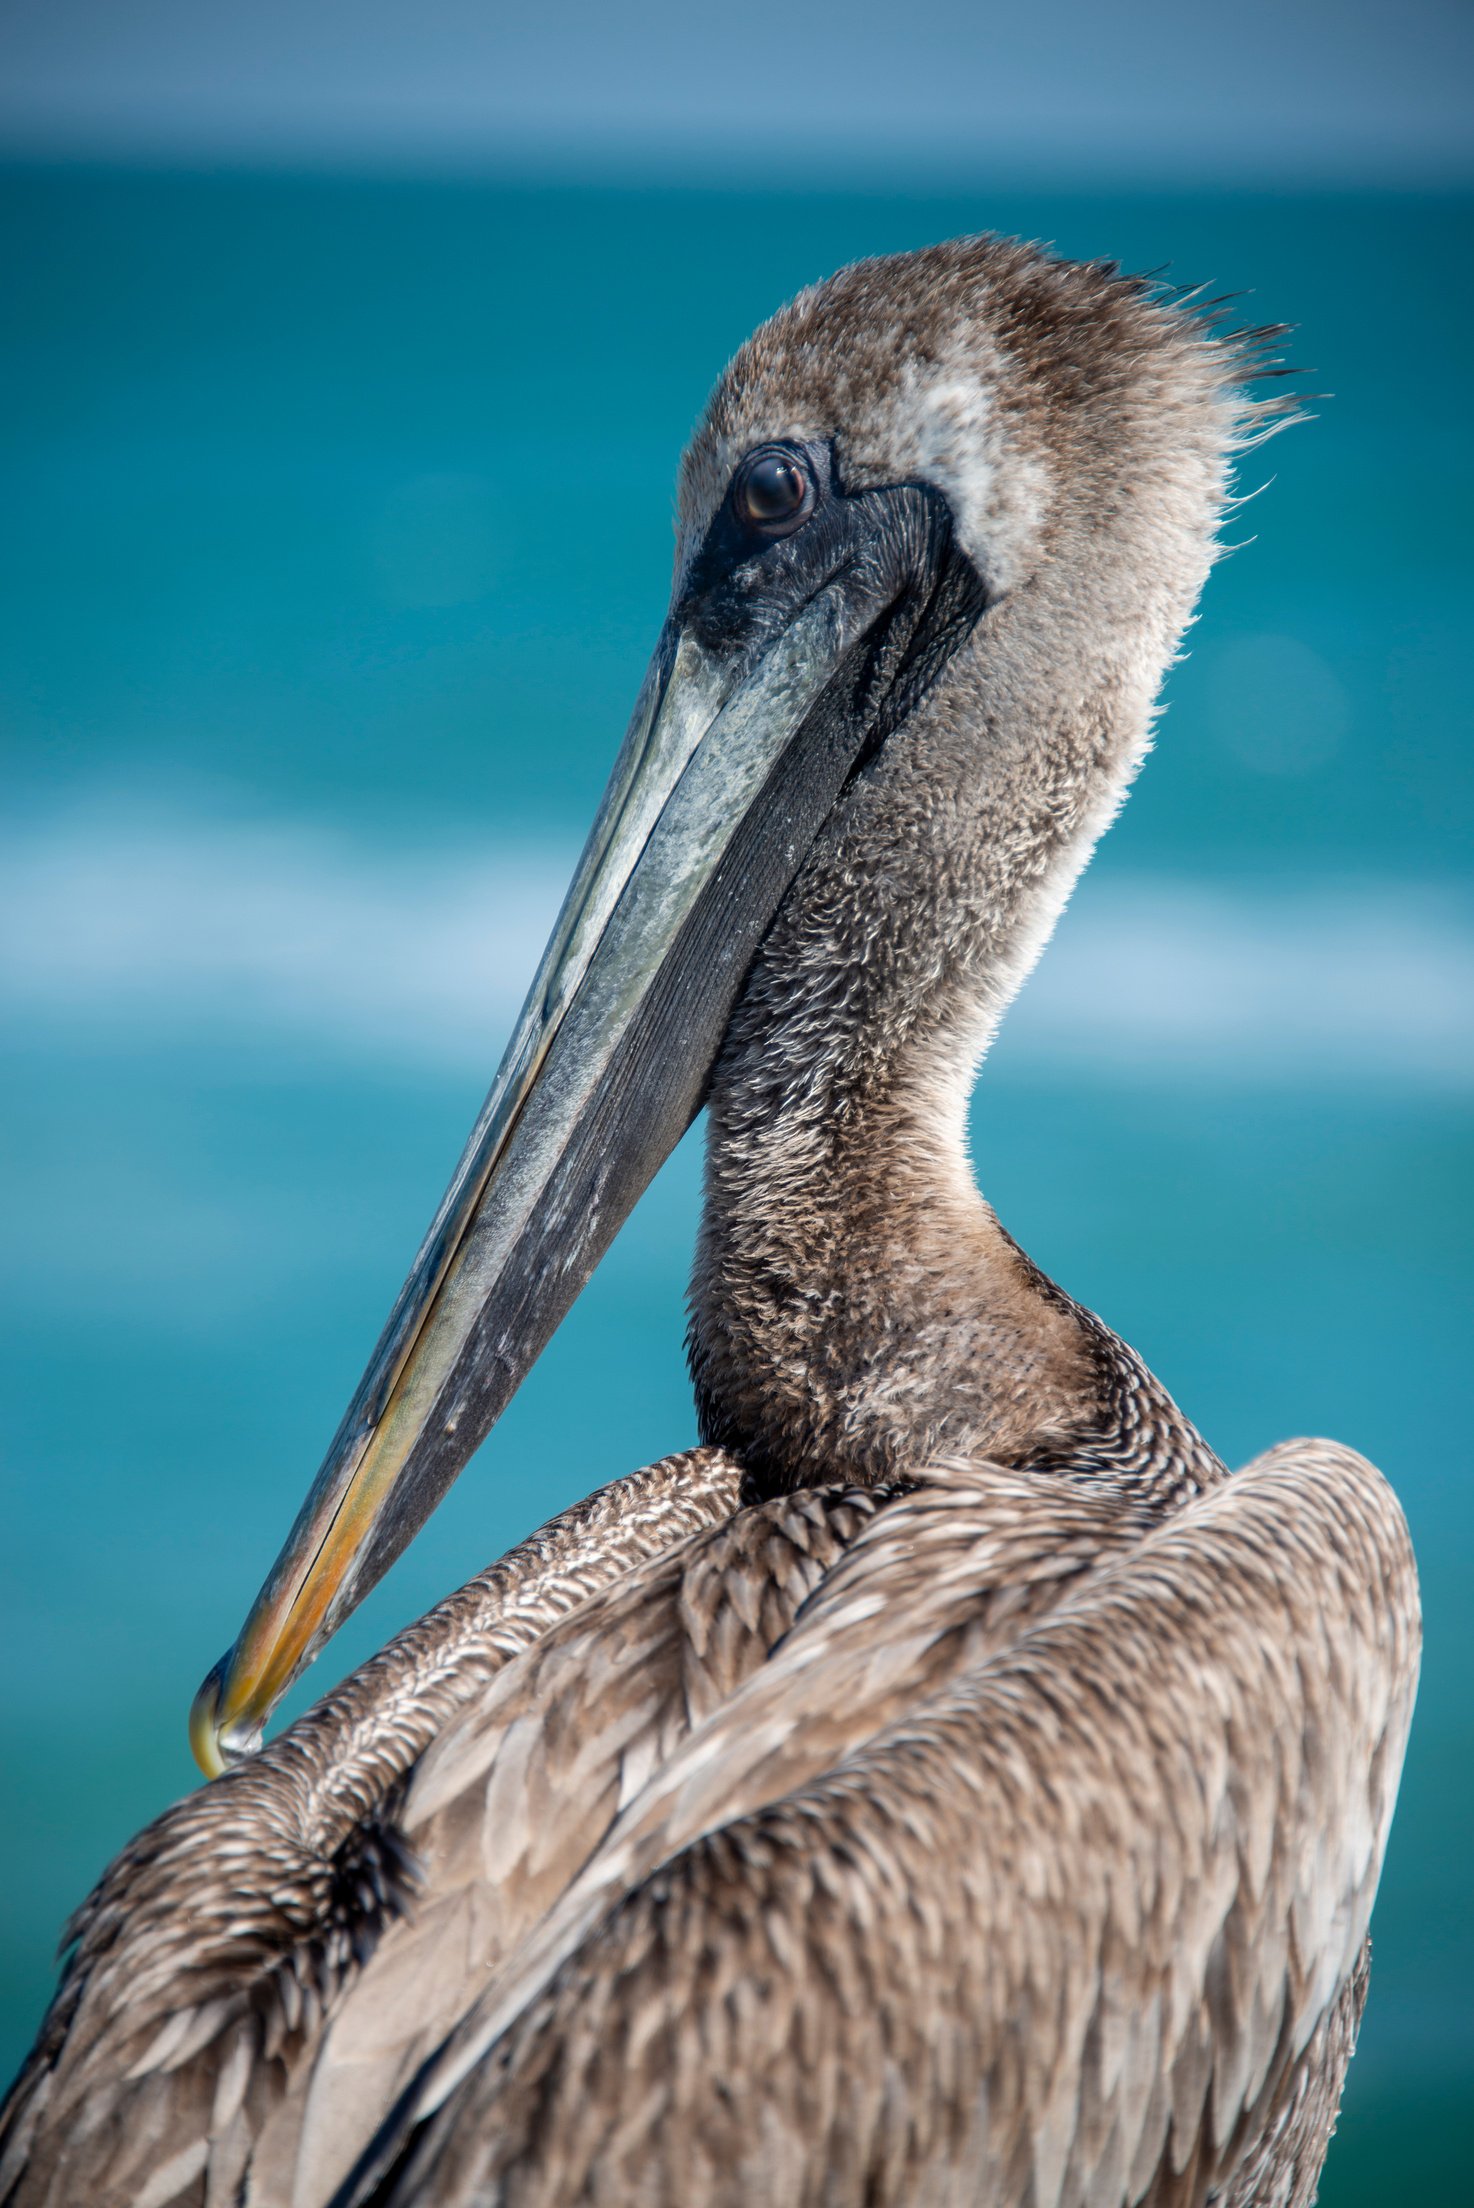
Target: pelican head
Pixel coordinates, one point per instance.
(939, 532)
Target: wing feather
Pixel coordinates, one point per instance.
(511, 1800)
(1007, 1843)
(221, 1935)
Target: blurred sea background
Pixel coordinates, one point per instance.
(335, 534)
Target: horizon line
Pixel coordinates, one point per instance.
(716, 166)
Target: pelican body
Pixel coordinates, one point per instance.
(947, 1784)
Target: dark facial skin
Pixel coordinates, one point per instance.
(758, 568)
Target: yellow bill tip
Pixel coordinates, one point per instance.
(204, 1724)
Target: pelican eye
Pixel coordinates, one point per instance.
(772, 491)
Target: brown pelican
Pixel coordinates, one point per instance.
(947, 1783)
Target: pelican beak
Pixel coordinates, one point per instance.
(742, 741)
(687, 862)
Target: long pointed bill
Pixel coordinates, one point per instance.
(730, 766)
(777, 674)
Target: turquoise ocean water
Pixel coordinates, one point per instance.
(335, 531)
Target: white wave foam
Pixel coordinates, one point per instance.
(118, 926)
